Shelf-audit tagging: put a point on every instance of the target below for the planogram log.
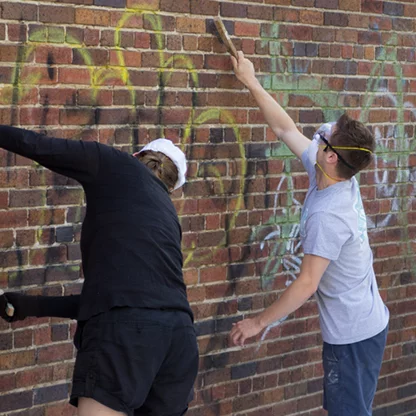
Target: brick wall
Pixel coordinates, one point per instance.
(126, 71)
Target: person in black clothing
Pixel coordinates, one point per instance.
(137, 350)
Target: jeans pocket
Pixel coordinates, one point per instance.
(328, 353)
(341, 352)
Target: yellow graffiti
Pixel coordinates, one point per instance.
(100, 76)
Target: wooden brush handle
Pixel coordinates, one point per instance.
(225, 37)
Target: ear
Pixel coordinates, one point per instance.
(331, 157)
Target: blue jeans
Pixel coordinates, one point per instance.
(350, 375)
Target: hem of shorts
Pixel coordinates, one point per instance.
(358, 339)
(99, 395)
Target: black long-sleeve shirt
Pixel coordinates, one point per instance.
(131, 236)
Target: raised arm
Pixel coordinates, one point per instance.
(73, 158)
(276, 117)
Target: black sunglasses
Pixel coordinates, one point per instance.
(327, 144)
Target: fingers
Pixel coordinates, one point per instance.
(238, 61)
(237, 335)
(234, 62)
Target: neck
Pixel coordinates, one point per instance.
(323, 179)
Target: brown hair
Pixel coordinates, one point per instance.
(161, 166)
(352, 133)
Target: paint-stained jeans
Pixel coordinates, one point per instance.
(350, 375)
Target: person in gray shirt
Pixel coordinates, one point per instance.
(337, 266)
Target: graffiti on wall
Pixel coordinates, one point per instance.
(277, 236)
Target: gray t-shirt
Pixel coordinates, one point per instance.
(334, 226)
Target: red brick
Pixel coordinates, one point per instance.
(246, 29)
(11, 361)
(101, 97)
(6, 76)
(7, 382)
(30, 198)
(279, 2)
(143, 78)
(64, 409)
(228, 139)
(49, 255)
(34, 376)
(260, 12)
(410, 10)
(77, 116)
(81, 56)
(213, 274)
(126, 20)
(14, 218)
(92, 17)
(284, 15)
(190, 25)
(58, 96)
(14, 179)
(19, 11)
(25, 238)
(51, 55)
(52, 14)
(74, 76)
(143, 4)
(174, 42)
(304, 3)
(4, 200)
(207, 7)
(46, 216)
(142, 40)
(182, 6)
(8, 53)
(15, 32)
(38, 116)
(55, 353)
(233, 10)
(311, 17)
(91, 37)
(164, 23)
(359, 20)
(351, 5)
(371, 6)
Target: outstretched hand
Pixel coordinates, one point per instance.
(245, 329)
(243, 69)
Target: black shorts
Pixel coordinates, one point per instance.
(137, 361)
